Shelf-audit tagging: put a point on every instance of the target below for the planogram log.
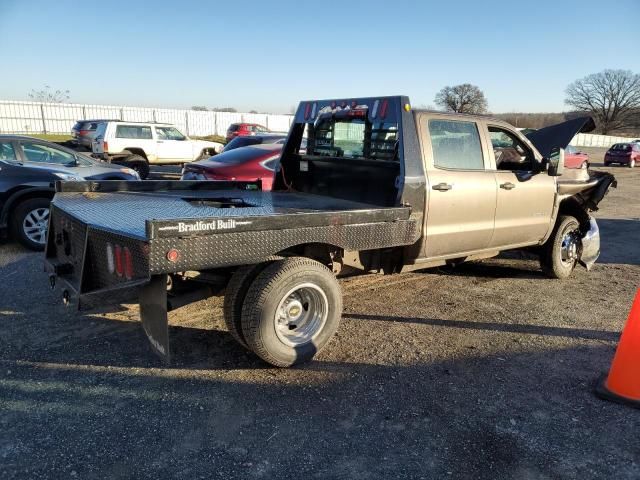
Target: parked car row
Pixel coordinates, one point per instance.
(29, 169)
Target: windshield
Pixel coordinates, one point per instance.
(241, 142)
(621, 147)
(354, 137)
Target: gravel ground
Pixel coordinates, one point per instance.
(482, 371)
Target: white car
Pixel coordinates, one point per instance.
(138, 145)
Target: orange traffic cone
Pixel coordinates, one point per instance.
(622, 385)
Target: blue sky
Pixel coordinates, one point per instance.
(269, 55)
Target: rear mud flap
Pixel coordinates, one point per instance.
(153, 313)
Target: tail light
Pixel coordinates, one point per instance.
(105, 146)
(118, 255)
(128, 264)
(111, 266)
(383, 108)
(119, 261)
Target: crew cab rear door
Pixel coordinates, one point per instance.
(461, 185)
(526, 193)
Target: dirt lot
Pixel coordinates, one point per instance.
(483, 371)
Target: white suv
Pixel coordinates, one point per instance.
(137, 145)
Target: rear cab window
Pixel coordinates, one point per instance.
(351, 134)
(134, 131)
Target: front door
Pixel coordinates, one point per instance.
(526, 193)
(172, 146)
(461, 189)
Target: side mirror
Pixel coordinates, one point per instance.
(556, 162)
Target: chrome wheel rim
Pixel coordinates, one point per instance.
(301, 314)
(35, 225)
(569, 247)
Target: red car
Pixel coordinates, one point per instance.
(245, 164)
(623, 153)
(244, 129)
(574, 158)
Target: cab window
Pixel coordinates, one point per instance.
(169, 133)
(456, 145)
(510, 152)
(133, 131)
(39, 153)
(7, 152)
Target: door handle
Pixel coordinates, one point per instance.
(507, 186)
(442, 187)
(159, 141)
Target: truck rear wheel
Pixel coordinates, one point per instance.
(291, 311)
(137, 163)
(559, 254)
(234, 297)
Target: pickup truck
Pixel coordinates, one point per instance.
(138, 145)
(381, 188)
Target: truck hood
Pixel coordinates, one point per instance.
(560, 135)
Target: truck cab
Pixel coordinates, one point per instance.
(475, 184)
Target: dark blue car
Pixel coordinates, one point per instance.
(29, 168)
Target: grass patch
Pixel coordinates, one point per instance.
(50, 137)
(211, 138)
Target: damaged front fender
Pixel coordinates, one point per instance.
(590, 245)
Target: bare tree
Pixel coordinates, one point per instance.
(465, 98)
(47, 94)
(611, 96)
(199, 108)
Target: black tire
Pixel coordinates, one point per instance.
(551, 255)
(290, 279)
(137, 163)
(234, 297)
(606, 164)
(29, 208)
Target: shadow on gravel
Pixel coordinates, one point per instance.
(495, 326)
(486, 269)
(616, 235)
(522, 415)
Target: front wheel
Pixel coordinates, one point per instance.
(139, 164)
(30, 223)
(291, 311)
(559, 254)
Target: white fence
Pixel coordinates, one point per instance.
(590, 140)
(35, 117)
